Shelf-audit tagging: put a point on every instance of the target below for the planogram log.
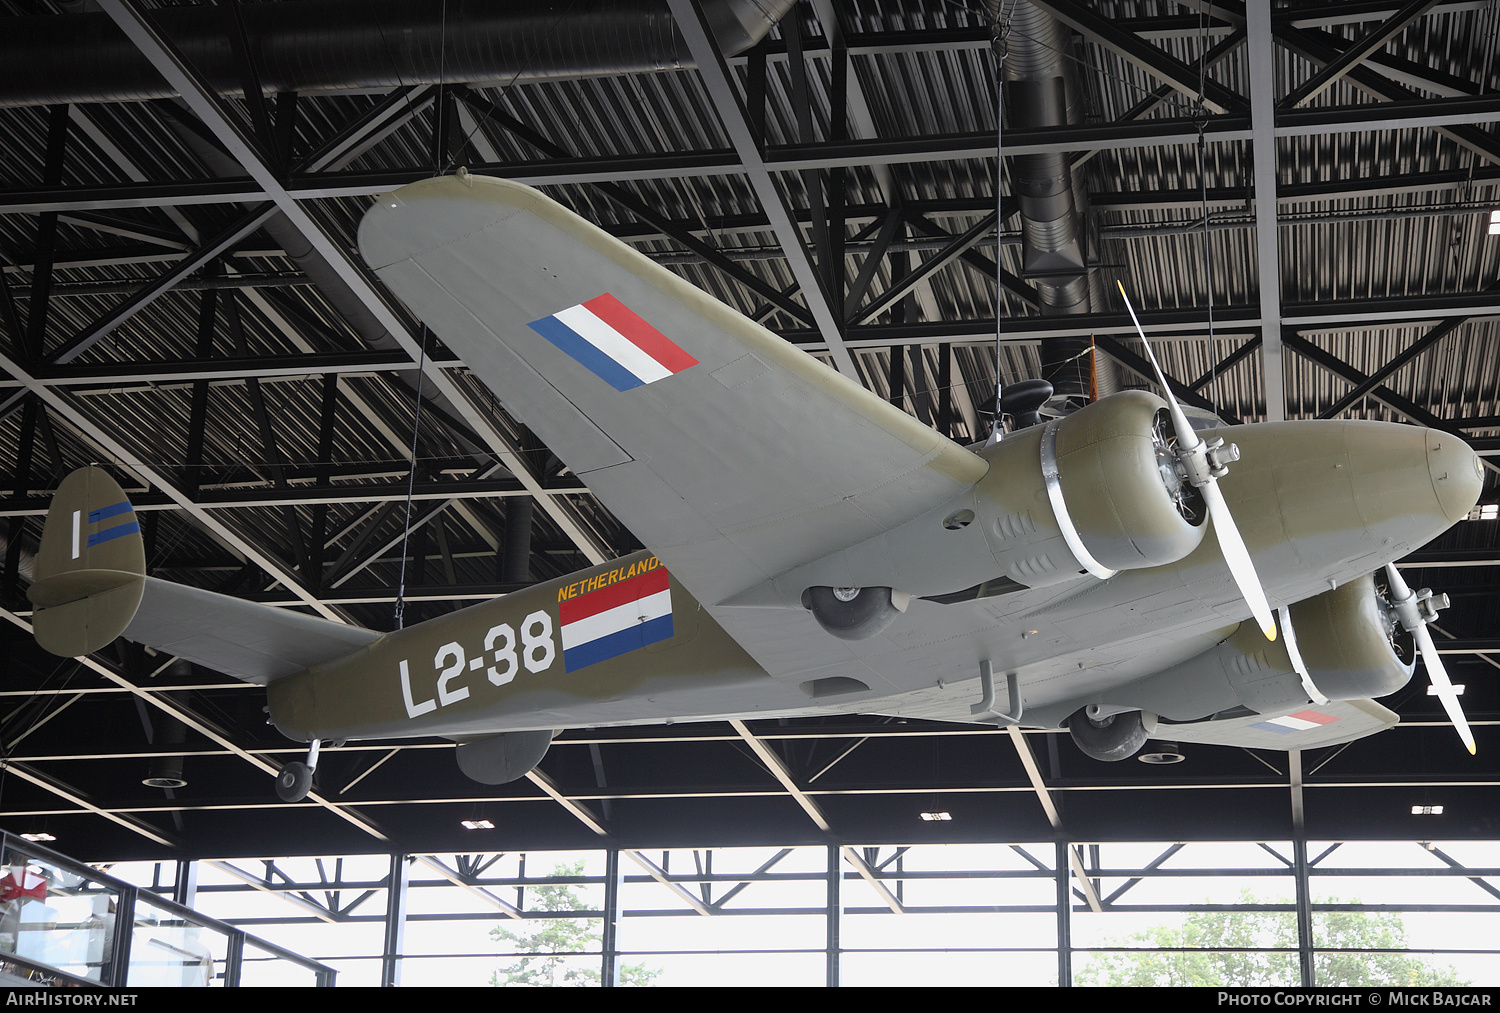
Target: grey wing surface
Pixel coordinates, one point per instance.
(739, 459)
(244, 639)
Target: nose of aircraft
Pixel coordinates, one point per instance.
(1457, 475)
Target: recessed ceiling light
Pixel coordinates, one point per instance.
(1427, 810)
(937, 817)
(478, 825)
(39, 837)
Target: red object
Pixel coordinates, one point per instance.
(29, 884)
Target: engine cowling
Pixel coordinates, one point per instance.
(1347, 638)
(1093, 491)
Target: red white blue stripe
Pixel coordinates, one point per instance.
(1299, 722)
(608, 337)
(616, 619)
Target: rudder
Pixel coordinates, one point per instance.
(91, 567)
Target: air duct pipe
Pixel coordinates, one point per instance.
(1041, 91)
(334, 45)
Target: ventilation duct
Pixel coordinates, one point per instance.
(332, 45)
(1041, 91)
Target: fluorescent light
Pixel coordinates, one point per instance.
(39, 837)
(1427, 810)
(1483, 512)
(478, 825)
(937, 817)
(1458, 689)
(1495, 222)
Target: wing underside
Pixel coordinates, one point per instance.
(1325, 724)
(730, 453)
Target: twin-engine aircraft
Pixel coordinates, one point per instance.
(813, 549)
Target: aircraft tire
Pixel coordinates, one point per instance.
(868, 612)
(1117, 737)
(294, 782)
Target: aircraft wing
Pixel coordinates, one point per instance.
(244, 639)
(1325, 724)
(729, 453)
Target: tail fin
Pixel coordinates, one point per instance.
(91, 569)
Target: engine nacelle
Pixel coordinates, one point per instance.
(1093, 491)
(1348, 641)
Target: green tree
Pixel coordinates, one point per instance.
(1218, 933)
(545, 950)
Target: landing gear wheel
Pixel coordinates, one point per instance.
(851, 613)
(294, 782)
(1117, 737)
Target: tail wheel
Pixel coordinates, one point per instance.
(1117, 737)
(294, 782)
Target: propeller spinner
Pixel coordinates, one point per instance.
(1202, 465)
(1414, 611)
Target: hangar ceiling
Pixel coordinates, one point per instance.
(179, 189)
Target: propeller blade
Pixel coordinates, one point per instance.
(1187, 437)
(1230, 543)
(1241, 568)
(1434, 662)
(1399, 590)
(1440, 682)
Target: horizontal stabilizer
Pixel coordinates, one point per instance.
(90, 567)
(1325, 724)
(247, 640)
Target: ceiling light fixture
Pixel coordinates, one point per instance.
(1495, 222)
(478, 825)
(937, 817)
(1458, 690)
(1427, 810)
(38, 837)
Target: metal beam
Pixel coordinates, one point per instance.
(205, 103)
(1384, 395)
(640, 209)
(162, 284)
(164, 702)
(119, 452)
(1323, 48)
(1262, 58)
(555, 793)
(660, 875)
(1375, 379)
(1085, 885)
(1372, 40)
(726, 99)
(899, 287)
(779, 771)
(1034, 775)
(870, 876)
(1140, 53)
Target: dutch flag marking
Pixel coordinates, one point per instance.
(619, 347)
(1298, 722)
(616, 619)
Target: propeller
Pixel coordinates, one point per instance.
(1203, 464)
(1415, 611)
